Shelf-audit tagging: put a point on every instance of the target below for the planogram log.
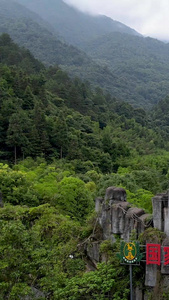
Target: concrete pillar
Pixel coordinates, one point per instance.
(105, 221)
(164, 269)
(151, 275)
(138, 294)
(118, 212)
(166, 221)
(98, 204)
(157, 212)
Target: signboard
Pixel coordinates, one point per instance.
(130, 253)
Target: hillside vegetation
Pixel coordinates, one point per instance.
(141, 64)
(62, 112)
(62, 144)
(30, 31)
(74, 26)
(130, 67)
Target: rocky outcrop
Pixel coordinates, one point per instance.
(161, 212)
(118, 217)
(36, 294)
(115, 194)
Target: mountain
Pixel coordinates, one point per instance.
(11, 54)
(44, 112)
(76, 27)
(130, 67)
(46, 205)
(12, 10)
(29, 30)
(141, 62)
(160, 115)
(69, 143)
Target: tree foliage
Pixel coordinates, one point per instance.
(69, 143)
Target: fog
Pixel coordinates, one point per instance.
(149, 17)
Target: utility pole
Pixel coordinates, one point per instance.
(131, 283)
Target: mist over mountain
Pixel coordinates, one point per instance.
(10, 9)
(76, 27)
(29, 30)
(112, 56)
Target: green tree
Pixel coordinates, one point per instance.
(59, 135)
(17, 132)
(39, 134)
(28, 99)
(73, 198)
(96, 285)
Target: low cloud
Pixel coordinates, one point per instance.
(149, 17)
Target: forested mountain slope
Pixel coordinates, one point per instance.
(12, 10)
(28, 31)
(131, 68)
(140, 65)
(142, 62)
(76, 27)
(44, 112)
(61, 145)
(160, 115)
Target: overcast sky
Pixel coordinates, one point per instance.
(149, 17)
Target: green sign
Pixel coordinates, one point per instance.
(130, 252)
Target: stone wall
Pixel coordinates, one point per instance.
(117, 217)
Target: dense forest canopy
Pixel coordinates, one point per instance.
(142, 61)
(63, 142)
(62, 112)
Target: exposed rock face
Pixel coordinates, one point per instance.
(98, 204)
(117, 217)
(93, 251)
(164, 269)
(151, 275)
(138, 295)
(115, 193)
(36, 294)
(161, 212)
